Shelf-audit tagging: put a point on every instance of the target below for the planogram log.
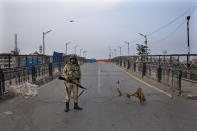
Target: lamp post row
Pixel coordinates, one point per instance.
(67, 43)
(146, 42)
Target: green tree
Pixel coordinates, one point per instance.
(142, 50)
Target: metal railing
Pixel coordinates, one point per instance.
(176, 70)
(36, 69)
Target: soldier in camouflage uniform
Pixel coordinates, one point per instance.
(72, 72)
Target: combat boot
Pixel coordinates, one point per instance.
(67, 107)
(76, 107)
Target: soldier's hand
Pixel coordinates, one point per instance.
(79, 82)
(67, 79)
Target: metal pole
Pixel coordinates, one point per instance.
(145, 36)
(188, 45)
(128, 49)
(80, 51)
(67, 43)
(44, 33)
(84, 53)
(43, 44)
(109, 53)
(66, 48)
(128, 46)
(120, 49)
(145, 40)
(115, 53)
(9, 61)
(75, 49)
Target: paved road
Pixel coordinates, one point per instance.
(103, 109)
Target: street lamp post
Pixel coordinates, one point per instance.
(120, 49)
(128, 46)
(44, 33)
(84, 53)
(66, 52)
(80, 51)
(115, 54)
(145, 36)
(75, 49)
(109, 52)
(112, 54)
(188, 42)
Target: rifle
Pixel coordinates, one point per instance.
(80, 86)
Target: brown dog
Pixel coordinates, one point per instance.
(137, 94)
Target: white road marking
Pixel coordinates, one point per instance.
(99, 78)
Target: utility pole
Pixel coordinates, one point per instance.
(188, 42)
(80, 51)
(40, 49)
(120, 49)
(43, 35)
(115, 54)
(84, 53)
(109, 52)
(145, 36)
(188, 45)
(128, 46)
(146, 40)
(43, 46)
(112, 54)
(66, 52)
(75, 49)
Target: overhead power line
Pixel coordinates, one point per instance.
(177, 28)
(193, 10)
(169, 23)
(170, 34)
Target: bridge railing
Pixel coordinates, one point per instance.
(34, 69)
(176, 71)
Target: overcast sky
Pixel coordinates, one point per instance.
(98, 25)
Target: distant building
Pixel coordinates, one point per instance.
(7, 60)
(35, 53)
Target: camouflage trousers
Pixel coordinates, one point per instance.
(70, 87)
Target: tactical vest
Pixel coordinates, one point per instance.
(73, 72)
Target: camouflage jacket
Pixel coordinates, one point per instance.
(72, 71)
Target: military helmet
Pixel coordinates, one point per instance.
(73, 57)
